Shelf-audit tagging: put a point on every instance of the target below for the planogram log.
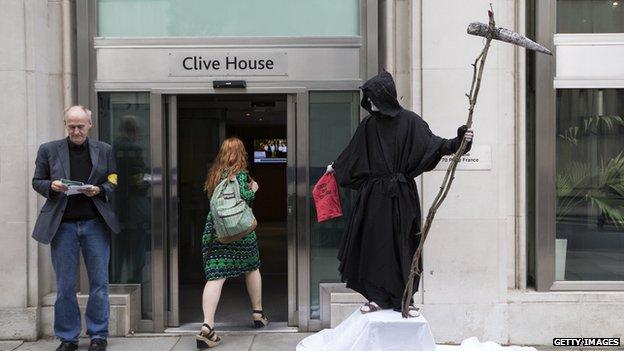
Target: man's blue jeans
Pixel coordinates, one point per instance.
(93, 238)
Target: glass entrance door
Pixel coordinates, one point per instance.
(124, 123)
(333, 118)
(193, 137)
(164, 145)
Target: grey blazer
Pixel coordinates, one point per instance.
(53, 164)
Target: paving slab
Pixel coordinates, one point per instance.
(230, 342)
(46, 344)
(277, 342)
(114, 344)
(142, 344)
(10, 345)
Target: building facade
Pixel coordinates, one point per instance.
(527, 247)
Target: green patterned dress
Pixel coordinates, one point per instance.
(233, 259)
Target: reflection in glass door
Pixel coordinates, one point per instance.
(124, 122)
(334, 117)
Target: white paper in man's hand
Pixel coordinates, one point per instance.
(77, 189)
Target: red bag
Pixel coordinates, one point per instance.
(327, 198)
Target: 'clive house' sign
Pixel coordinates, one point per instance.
(227, 64)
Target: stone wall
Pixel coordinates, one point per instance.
(32, 98)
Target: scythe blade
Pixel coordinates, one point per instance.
(506, 35)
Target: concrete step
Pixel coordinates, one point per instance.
(125, 310)
(237, 328)
(117, 295)
(342, 305)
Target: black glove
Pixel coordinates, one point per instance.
(461, 131)
(460, 135)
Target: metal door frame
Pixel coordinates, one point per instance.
(159, 215)
(163, 116)
(173, 307)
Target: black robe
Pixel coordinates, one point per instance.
(389, 148)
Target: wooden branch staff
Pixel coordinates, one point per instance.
(450, 172)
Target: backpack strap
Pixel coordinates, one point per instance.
(237, 188)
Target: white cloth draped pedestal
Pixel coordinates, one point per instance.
(386, 330)
(383, 330)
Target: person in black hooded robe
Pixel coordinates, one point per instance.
(389, 149)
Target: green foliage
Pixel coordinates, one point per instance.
(591, 125)
(602, 187)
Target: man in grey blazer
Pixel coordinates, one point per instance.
(74, 223)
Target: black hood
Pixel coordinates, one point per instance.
(382, 92)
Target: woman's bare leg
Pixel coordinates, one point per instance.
(210, 300)
(253, 280)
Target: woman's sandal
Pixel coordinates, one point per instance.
(207, 340)
(369, 307)
(262, 322)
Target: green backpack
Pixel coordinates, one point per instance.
(233, 218)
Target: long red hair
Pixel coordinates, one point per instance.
(231, 159)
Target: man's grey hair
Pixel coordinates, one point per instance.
(77, 107)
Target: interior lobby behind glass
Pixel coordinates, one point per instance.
(590, 184)
(204, 121)
(590, 16)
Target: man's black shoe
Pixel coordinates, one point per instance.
(98, 345)
(67, 346)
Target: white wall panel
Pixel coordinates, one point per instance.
(589, 61)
